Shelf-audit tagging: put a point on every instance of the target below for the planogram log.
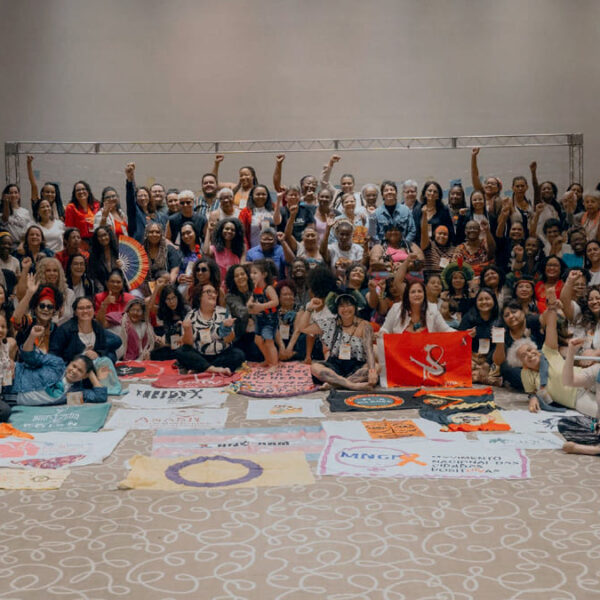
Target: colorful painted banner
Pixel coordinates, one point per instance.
(42, 419)
(179, 418)
(32, 479)
(57, 450)
(284, 408)
(149, 397)
(415, 458)
(309, 440)
(287, 379)
(218, 471)
(357, 430)
(430, 359)
(341, 401)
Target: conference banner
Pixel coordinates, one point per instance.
(426, 359)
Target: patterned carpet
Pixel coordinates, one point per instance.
(340, 539)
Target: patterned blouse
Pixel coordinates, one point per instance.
(214, 326)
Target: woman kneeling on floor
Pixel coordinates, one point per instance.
(351, 360)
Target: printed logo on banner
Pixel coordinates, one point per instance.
(379, 458)
(373, 401)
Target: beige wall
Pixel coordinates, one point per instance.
(260, 69)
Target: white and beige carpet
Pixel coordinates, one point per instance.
(340, 539)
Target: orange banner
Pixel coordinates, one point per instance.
(428, 359)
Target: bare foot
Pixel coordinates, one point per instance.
(220, 370)
(365, 385)
(325, 387)
(573, 448)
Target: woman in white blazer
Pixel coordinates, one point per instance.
(414, 314)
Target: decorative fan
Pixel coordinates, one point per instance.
(135, 261)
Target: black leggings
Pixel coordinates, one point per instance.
(189, 358)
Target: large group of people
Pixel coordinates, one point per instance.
(272, 271)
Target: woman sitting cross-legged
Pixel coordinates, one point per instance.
(207, 336)
(351, 360)
(42, 379)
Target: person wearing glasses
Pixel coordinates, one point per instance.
(186, 214)
(38, 307)
(110, 213)
(208, 335)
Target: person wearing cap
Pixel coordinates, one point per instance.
(268, 248)
(455, 278)
(350, 363)
(38, 306)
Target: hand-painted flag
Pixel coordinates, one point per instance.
(429, 359)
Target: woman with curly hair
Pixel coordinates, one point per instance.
(81, 210)
(228, 247)
(205, 271)
(552, 269)
(171, 312)
(104, 256)
(161, 256)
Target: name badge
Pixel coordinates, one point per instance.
(285, 332)
(498, 335)
(444, 262)
(250, 326)
(345, 352)
(484, 346)
(74, 398)
(175, 342)
(243, 203)
(205, 337)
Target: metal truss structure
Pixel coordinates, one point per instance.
(574, 142)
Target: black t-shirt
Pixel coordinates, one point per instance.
(176, 223)
(304, 217)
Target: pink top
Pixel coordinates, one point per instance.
(224, 260)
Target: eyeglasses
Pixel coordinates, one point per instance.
(111, 197)
(202, 269)
(85, 308)
(185, 202)
(210, 292)
(46, 306)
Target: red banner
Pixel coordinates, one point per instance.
(428, 359)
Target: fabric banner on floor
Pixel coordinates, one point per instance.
(180, 418)
(32, 479)
(195, 380)
(415, 458)
(522, 421)
(284, 408)
(528, 441)
(42, 419)
(145, 369)
(149, 397)
(287, 379)
(359, 430)
(56, 450)
(432, 359)
(469, 413)
(218, 471)
(340, 401)
(309, 440)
